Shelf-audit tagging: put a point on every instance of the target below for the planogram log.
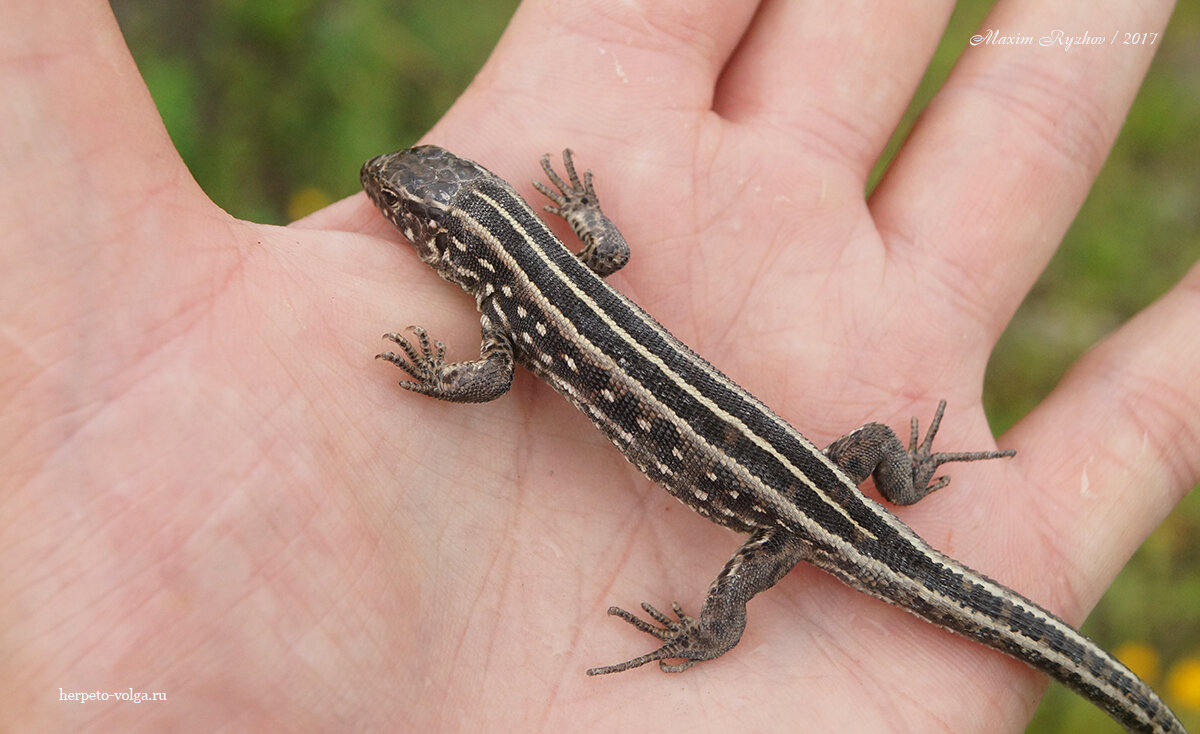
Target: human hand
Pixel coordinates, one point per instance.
(215, 492)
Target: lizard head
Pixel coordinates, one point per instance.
(415, 189)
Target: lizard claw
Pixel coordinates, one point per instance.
(424, 366)
(677, 636)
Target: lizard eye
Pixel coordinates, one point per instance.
(388, 197)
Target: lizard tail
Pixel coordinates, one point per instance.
(947, 593)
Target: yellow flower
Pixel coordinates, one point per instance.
(1183, 683)
(305, 202)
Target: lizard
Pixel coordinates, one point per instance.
(698, 434)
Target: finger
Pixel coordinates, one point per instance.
(1115, 445)
(81, 131)
(98, 211)
(628, 85)
(641, 71)
(806, 68)
(984, 189)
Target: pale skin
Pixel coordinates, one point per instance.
(211, 489)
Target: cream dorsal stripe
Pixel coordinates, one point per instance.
(634, 345)
(530, 242)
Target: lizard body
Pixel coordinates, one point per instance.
(698, 434)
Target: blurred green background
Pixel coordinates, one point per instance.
(274, 104)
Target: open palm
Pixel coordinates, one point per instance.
(212, 490)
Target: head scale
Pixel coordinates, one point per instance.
(415, 188)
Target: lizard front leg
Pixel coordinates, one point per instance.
(762, 560)
(605, 250)
(477, 381)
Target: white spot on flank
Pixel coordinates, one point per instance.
(488, 289)
(486, 265)
(462, 246)
(525, 337)
(644, 424)
(711, 477)
(700, 494)
(691, 389)
(570, 363)
(521, 312)
(547, 360)
(608, 395)
(506, 291)
(663, 468)
(677, 453)
(541, 328)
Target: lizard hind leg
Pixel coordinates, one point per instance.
(903, 475)
(757, 565)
